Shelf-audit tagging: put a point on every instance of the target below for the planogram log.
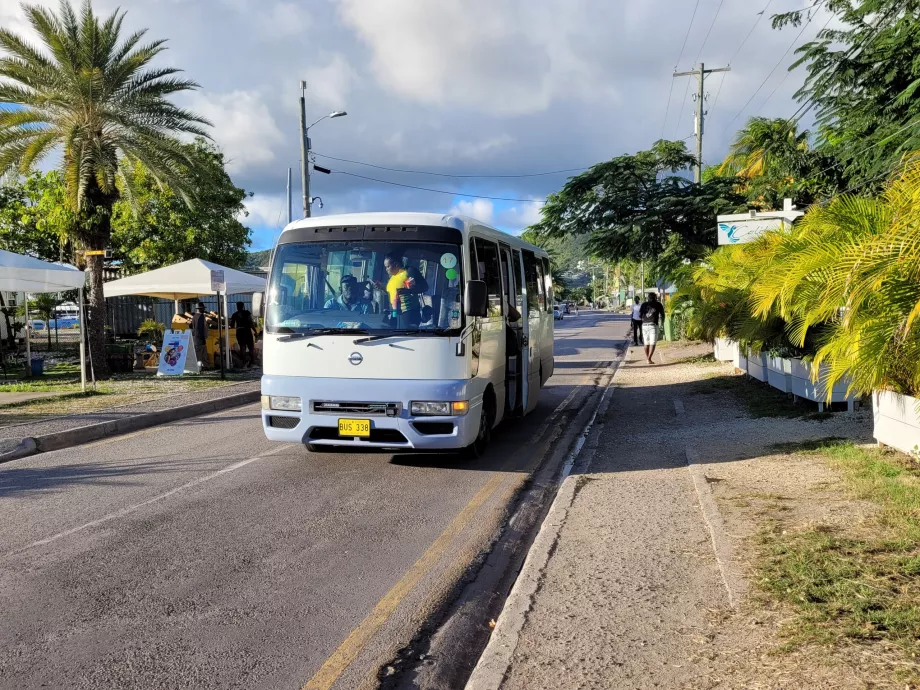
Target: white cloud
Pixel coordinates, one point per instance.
(266, 211)
(520, 217)
(503, 57)
(480, 209)
(243, 127)
(331, 83)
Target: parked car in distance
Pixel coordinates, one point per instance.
(557, 313)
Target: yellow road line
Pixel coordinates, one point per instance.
(336, 664)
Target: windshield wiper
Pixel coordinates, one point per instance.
(321, 331)
(394, 334)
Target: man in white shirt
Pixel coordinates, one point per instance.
(636, 323)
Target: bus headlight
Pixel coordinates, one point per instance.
(287, 403)
(439, 409)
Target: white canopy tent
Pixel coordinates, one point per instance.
(20, 273)
(186, 280)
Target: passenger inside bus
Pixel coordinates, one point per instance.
(406, 283)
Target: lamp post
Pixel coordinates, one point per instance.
(305, 147)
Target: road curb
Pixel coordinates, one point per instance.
(493, 664)
(93, 432)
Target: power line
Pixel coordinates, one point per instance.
(760, 16)
(437, 191)
(719, 9)
(676, 65)
(437, 174)
(775, 67)
(788, 71)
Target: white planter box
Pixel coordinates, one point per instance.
(725, 350)
(740, 361)
(779, 373)
(803, 387)
(757, 365)
(896, 422)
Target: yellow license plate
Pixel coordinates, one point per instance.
(354, 427)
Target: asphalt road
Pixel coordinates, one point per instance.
(200, 555)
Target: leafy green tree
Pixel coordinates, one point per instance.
(863, 78)
(157, 228)
(637, 207)
(90, 91)
(35, 218)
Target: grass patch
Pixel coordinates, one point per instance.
(854, 582)
(697, 359)
(759, 399)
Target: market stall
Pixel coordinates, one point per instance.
(187, 280)
(26, 274)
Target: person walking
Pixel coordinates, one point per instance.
(242, 321)
(636, 322)
(200, 335)
(651, 313)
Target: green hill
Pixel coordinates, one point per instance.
(255, 260)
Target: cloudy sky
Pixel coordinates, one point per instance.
(461, 88)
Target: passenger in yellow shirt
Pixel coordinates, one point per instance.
(403, 288)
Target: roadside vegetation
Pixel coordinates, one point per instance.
(859, 581)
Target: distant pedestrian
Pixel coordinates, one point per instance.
(651, 313)
(636, 323)
(200, 335)
(242, 321)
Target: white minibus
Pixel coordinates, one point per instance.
(402, 332)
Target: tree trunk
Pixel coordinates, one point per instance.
(95, 314)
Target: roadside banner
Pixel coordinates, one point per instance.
(177, 355)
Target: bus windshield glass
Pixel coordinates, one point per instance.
(376, 287)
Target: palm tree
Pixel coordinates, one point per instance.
(91, 94)
(772, 160)
(766, 146)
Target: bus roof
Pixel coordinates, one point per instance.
(464, 224)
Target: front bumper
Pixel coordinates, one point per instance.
(402, 431)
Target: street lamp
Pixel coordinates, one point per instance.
(305, 147)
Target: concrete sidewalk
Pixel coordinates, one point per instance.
(14, 438)
(633, 571)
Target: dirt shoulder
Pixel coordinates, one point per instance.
(815, 529)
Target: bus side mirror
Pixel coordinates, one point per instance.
(258, 298)
(476, 298)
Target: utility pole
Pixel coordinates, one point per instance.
(289, 209)
(304, 151)
(700, 72)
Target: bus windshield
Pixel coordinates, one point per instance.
(376, 287)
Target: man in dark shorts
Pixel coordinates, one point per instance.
(242, 321)
(651, 312)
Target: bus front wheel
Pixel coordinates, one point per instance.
(478, 447)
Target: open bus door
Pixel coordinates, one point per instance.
(516, 332)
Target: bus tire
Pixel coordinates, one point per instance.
(486, 419)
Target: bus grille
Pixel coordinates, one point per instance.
(370, 409)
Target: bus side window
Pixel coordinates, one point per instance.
(490, 272)
(531, 279)
(541, 284)
(548, 281)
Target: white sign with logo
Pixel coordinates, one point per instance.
(740, 231)
(217, 281)
(739, 228)
(177, 355)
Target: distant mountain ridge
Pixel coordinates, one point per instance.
(256, 260)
